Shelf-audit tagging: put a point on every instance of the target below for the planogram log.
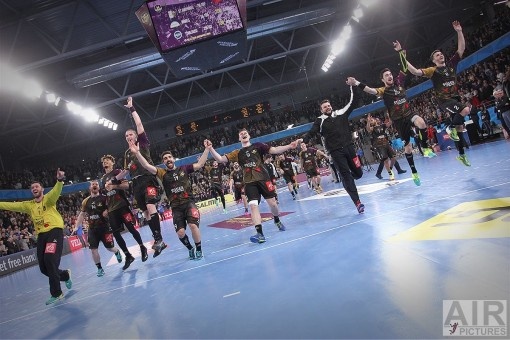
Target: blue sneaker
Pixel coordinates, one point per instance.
(280, 225)
(118, 255)
(192, 254)
(54, 299)
(259, 238)
(69, 282)
(100, 272)
(198, 255)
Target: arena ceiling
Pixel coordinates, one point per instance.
(96, 53)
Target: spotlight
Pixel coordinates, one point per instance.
(358, 13)
(115, 126)
(106, 122)
(57, 101)
(50, 97)
(324, 68)
(110, 125)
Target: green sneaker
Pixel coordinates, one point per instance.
(100, 272)
(427, 152)
(416, 179)
(69, 282)
(452, 132)
(464, 160)
(54, 299)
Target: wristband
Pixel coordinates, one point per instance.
(61, 179)
(361, 85)
(115, 181)
(132, 109)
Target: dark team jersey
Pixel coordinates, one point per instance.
(395, 99)
(286, 166)
(250, 159)
(237, 177)
(116, 198)
(177, 184)
(309, 158)
(215, 174)
(444, 79)
(271, 170)
(132, 164)
(94, 206)
(379, 137)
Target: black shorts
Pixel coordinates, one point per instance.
(216, 188)
(288, 178)
(386, 151)
(120, 217)
(255, 190)
(146, 191)
(312, 172)
(238, 192)
(404, 128)
(451, 106)
(186, 213)
(100, 234)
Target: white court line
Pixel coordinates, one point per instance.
(266, 247)
(229, 295)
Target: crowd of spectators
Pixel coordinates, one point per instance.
(476, 85)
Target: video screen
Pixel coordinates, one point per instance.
(180, 23)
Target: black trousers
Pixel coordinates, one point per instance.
(349, 166)
(49, 252)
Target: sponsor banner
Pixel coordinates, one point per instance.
(74, 243)
(208, 205)
(17, 261)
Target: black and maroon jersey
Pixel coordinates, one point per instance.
(444, 79)
(309, 158)
(132, 163)
(94, 206)
(177, 184)
(250, 159)
(116, 198)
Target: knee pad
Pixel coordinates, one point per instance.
(253, 202)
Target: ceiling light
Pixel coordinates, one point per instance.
(50, 97)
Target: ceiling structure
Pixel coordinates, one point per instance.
(97, 54)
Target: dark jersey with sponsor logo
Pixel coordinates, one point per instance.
(215, 175)
(94, 206)
(116, 198)
(309, 158)
(132, 163)
(237, 177)
(444, 79)
(395, 99)
(286, 165)
(379, 137)
(177, 184)
(250, 159)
